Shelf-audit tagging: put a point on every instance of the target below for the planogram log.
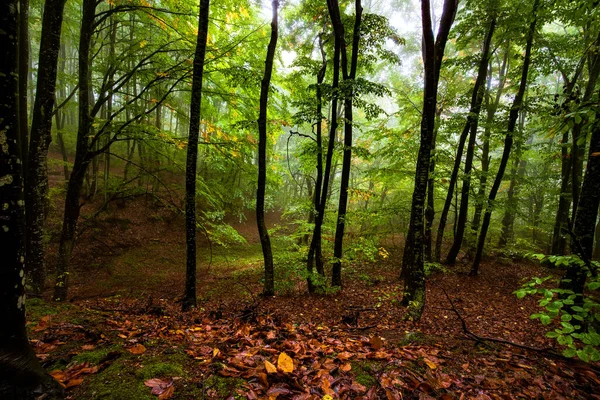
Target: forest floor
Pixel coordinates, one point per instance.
(122, 334)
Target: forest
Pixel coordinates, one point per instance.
(299, 199)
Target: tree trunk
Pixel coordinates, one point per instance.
(585, 219)
(269, 285)
(315, 244)
(24, 46)
(485, 148)
(21, 375)
(433, 51)
(336, 272)
(508, 141)
(82, 158)
(189, 299)
(430, 210)
(596, 254)
(61, 117)
(36, 188)
(471, 125)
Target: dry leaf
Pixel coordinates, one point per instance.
(376, 342)
(346, 367)
(285, 363)
(271, 369)
(430, 363)
(73, 383)
(137, 349)
(216, 352)
(167, 394)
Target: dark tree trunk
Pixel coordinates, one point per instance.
(596, 254)
(61, 117)
(327, 175)
(315, 244)
(433, 51)
(189, 298)
(82, 157)
(36, 188)
(471, 125)
(430, 210)
(24, 46)
(269, 285)
(349, 76)
(507, 232)
(485, 148)
(561, 223)
(508, 141)
(585, 219)
(21, 375)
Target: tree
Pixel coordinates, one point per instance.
(189, 300)
(469, 130)
(433, 52)
(508, 140)
(36, 188)
(349, 77)
(21, 375)
(269, 286)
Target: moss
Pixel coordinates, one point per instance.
(38, 308)
(159, 370)
(95, 356)
(364, 372)
(223, 386)
(117, 382)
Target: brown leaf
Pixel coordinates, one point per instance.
(430, 363)
(167, 394)
(346, 367)
(137, 349)
(376, 342)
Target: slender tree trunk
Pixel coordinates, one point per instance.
(189, 299)
(596, 254)
(336, 272)
(510, 210)
(61, 116)
(269, 286)
(21, 375)
(471, 125)
(433, 52)
(561, 224)
(327, 175)
(508, 141)
(315, 244)
(36, 188)
(485, 148)
(24, 46)
(82, 158)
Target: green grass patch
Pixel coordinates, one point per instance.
(222, 387)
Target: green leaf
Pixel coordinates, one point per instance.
(594, 285)
(583, 355)
(568, 328)
(569, 352)
(552, 335)
(545, 319)
(566, 317)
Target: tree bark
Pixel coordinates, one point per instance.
(433, 51)
(82, 158)
(596, 254)
(315, 243)
(36, 188)
(24, 46)
(430, 210)
(349, 76)
(485, 148)
(508, 141)
(21, 375)
(269, 284)
(189, 298)
(585, 219)
(471, 126)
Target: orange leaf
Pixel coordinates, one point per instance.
(285, 363)
(137, 349)
(73, 383)
(346, 367)
(167, 394)
(430, 363)
(271, 369)
(376, 342)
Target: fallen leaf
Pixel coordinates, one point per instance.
(285, 363)
(73, 383)
(271, 369)
(137, 349)
(167, 394)
(430, 363)
(346, 367)
(376, 342)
